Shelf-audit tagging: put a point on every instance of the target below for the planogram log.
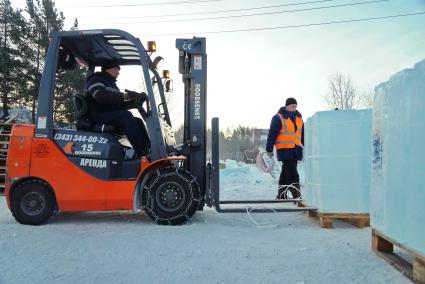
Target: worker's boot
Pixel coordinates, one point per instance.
(295, 190)
(281, 192)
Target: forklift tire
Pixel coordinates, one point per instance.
(171, 196)
(32, 202)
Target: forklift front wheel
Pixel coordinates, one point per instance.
(32, 202)
(172, 196)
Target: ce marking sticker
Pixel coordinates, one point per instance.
(187, 46)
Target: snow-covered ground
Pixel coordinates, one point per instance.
(126, 247)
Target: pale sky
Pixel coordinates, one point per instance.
(250, 74)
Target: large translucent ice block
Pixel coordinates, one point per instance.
(398, 167)
(337, 154)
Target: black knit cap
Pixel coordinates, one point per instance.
(108, 64)
(290, 101)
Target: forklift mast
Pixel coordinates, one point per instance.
(193, 67)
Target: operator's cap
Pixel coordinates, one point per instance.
(290, 101)
(109, 63)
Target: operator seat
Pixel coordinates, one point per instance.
(82, 122)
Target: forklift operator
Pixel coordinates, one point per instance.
(107, 105)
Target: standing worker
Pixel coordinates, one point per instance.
(286, 133)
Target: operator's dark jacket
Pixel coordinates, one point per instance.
(275, 125)
(103, 93)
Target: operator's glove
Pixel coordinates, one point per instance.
(270, 154)
(134, 96)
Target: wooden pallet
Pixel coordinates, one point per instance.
(384, 247)
(5, 130)
(360, 220)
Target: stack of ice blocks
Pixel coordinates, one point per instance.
(338, 146)
(398, 164)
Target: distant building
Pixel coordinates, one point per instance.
(259, 138)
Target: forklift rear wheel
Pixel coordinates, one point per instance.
(172, 196)
(32, 202)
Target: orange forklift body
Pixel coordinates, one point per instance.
(52, 169)
(75, 190)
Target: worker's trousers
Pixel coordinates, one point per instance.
(289, 176)
(125, 122)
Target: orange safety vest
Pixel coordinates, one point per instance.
(288, 137)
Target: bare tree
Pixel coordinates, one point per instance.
(342, 94)
(366, 99)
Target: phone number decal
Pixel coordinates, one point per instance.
(80, 138)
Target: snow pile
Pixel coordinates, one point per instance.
(126, 247)
(246, 181)
(19, 115)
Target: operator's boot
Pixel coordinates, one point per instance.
(281, 192)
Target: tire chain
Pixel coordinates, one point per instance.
(150, 200)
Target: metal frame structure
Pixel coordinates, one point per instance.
(193, 67)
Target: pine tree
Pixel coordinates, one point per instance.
(12, 24)
(43, 19)
(68, 82)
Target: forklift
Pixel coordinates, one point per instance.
(52, 169)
